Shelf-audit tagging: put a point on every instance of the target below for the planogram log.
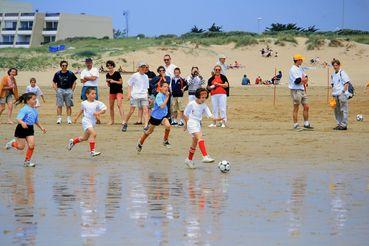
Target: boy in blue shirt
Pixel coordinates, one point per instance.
(158, 116)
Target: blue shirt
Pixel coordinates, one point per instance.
(28, 114)
(157, 112)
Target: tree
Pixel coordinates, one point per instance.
(215, 28)
(195, 29)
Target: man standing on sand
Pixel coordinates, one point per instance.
(298, 82)
(221, 63)
(169, 67)
(340, 84)
(89, 78)
(64, 84)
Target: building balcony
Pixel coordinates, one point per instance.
(24, 32)
(6, 43)
(11, 16)
(23, 42)
(50, 28)
(49, 33)
(25, 29)
(9, 28)
(22, 45)
(8, 32)
(27, 14)
(52, 16)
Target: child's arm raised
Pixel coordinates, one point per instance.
(164, 104)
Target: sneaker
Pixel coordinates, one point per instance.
(174, 123)
(190, 163)
(336, 128)
(139, 147)
(94, 153)
(207, 159)
(222, 125)
(342, 128)
(28, 163)
(70, 144)
(167, 144)
(212, 125)
(8, 145)
(180, 124)
(59, 121)
(219, 124)
(124, 127)
(308, 127)
(69, 121)
(296, 126)
(137, 123)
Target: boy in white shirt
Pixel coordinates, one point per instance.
(91, 110)
(35, 89)
(89, 78)
(138, 86)
(340, 84)
(193, 116)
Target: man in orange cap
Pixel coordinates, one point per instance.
(298, 81)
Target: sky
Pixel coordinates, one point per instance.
(156, 17)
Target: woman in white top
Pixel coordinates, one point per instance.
(193, 116)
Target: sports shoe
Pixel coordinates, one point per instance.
(59, 121)
(212, 125)
(139, 147)
(167, 144)
(69, 120)
(222, 125)
(28, 163)
(174, 123)
(207, 159)
(190, 163)
(124, 127)
(180, 124)
(296, 126)
(94, 153)
(219, 124)
(308, 127)
(8, 145)
(70, 144)
(336, 128)
(342, 128)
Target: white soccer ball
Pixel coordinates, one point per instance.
(359, 117)
(224, 166)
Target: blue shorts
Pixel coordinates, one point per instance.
(83, 92)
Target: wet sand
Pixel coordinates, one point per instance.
(285, 187)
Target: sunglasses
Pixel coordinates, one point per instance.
(64, 65)
(166, 59)
(161, 70)
(217, 70)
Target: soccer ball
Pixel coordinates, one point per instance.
(224, 166)
(359, 117)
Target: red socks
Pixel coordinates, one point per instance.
(191, 153)
(92, 145)
(166, 134)
(202, 147)
(76, 140)
(29, 154)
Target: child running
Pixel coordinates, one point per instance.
(35, 89)
(24, 132)
(91, 110)
(158, 116)
(193, 116)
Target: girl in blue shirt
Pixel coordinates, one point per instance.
(158, 116)
(24, 132)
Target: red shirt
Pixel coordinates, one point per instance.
(217, 89)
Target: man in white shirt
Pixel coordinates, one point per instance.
(89, 78)
(138, 86)
(298, 81)
(221, 63)
(340, 91)
(169, 67)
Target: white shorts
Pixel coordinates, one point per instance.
(86, 123)
(193, 126)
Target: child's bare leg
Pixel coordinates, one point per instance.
(167, 129)
(19, 144)
(10, 111)
(146, 134)
(131, 111)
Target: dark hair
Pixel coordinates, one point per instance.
(63, 61)
(111, 63)
(89, 89)
(199, 91)
(12, 68)
(177, 68)
(162, 83)
(335, 61)
(167, 55)
(25, 98)
(32, 79)
(159, 68)
(194, 68)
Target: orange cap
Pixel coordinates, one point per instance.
(298, 57)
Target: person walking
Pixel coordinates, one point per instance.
(298, 81)
(340, 91)
(8, 92)
(221, 63)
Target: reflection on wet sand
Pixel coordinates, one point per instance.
(338, 204)
(295, 205)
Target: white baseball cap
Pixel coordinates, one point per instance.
(142, 64)
(222, 56)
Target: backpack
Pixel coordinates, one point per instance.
(351, 88)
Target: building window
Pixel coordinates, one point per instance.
(26, 25)
(51, 26)
(10, 25)
(7, 39)
(23, 39)
(49, 39)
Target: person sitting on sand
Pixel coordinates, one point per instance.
(258, 80)
(245, 80)
(276, 79)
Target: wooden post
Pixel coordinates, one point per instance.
(275, 87)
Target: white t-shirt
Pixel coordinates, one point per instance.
(295, 73)
(139, 84)
(194, 111)
(89, 108)
(224, 68)
(35, 90)
(169, 70)
(338, 81)
(92, 72)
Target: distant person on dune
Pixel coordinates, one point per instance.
(221, 63)
(258, 80)
(245, 80)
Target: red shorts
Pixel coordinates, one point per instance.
(118, 96)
